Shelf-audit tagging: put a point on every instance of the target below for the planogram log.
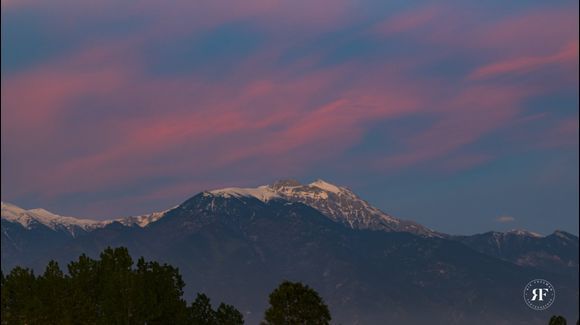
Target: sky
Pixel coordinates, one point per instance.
(460, 115)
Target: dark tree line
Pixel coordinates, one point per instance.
(108, 290)
(114, 290)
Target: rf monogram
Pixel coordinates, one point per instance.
(539, 294)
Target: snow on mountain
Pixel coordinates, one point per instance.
(499, 237)
(262, 193)
(342, 205)
(525, 233)
(141, 221)
(29, 218)
(326, 186)
(336, 202)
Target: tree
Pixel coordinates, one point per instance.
(296, 303)
(115, 280)
(3, 310)
(52, 287)
(22, 303)
(83, 296)
(201, 312)
(157, 294)
(557, 320)
(228, 315)
(108, 290)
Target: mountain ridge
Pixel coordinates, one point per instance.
(328, 198)
(29, 217)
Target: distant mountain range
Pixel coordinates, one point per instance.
(237, 244)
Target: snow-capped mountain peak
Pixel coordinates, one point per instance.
(342, 205)
(338, 203)
(263, 193)
(319, 190)
(524, 233)
(326, 186)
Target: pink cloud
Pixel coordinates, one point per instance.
(568, 57)
(527, 33)
(468, 116)
(275, 118)
(224, 123)
(475, 111)
(537, 31)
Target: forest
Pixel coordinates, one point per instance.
(114, 290)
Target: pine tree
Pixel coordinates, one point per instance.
(22, 303)
(83, 296)
(157, 294)
(52, 288)
(115, 280)
(228, 315)
(201, 312)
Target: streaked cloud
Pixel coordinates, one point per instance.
(567, 58)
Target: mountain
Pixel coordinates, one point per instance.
(237, 244)
(557, 252)
(338, 203)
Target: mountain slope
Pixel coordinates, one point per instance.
(557, 252)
